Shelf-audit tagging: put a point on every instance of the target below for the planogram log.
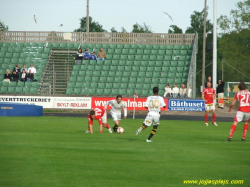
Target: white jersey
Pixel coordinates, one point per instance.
(154, 103)
(117, 108)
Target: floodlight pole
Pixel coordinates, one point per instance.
(204, 46)
(215, 46)
(87, 16)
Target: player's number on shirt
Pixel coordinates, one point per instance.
(98, 111)
(244, 100)
(154, 103)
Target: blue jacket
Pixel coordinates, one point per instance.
(86, 55)
(93, 57)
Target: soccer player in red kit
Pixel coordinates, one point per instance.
(208, 96)
(98, 113)
(243, 113)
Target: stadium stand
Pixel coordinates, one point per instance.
(128, 68)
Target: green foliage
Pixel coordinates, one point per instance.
(174, 29)
(55, 151)
(234, 43)
(3, 27)
(113, 30)
(93, 26)
(197, 26)
(137, 28)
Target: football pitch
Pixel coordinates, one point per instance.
(56, 152)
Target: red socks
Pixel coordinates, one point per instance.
(233, 127)
(206, 118)
(245, 130)
(214, 117)
(107, 126)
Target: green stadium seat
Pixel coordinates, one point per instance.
(77, 91)
(122, 63)
(128, 68)
(125, 79)
(116, 57)
(113, 68)
(129, 63)
(185, 69)
(136, 69)
(190, 52)
(174, 63)
(131, 57)
(72, 79)
(104, 73)
(103, 79)
(163, 47)
(93, 85)
(111, 74)
(139, 86)
(181, 63)
(144, 63)
(83, 67)
(141, 74)
(162, 53)
(118, 51)
(149, 46)
(173, 69)
(138, 57)
(8, 55)
(169, 52)
(130, 92)
(1, 60)
(4, 49)
(171, 75)
(184, 52)
(131, 86)
(109, 57)
(115, 62)
(69, 91)
(156, 47)
(86, 85)
(134, 74)
(127, 46)
(178, 75)
(125, 51)
(180, 69)
(117, 79)
(70, 85)
(122, 91)
(137, 63)
(2, 55)
(187, 63)
(105, 46)
(107, 91)
(170, 47)
(140, 80)
(111, 51)
(168, 58)
(70, 46)
(184, 80)
(154, 52)
(178, 47)
(100, 62)
(115, 92)
(146, 86)
(3, 89)
(99, 91)
(98, 46)
(78, 85)
(18, 90)
(116, 85)
(5, 84)
(188, 58)
(157, 69)
(145, 57)
(91, 68)
(147, 52)
(147, 81)
(144, 92)
(13, 84)
(89, 73)
(139, 52)
(120, 46)
(132, 52)
(101, 85)
(98, 68)
(112, 46)
(33, 90)
(156, 75)
(56, 45)
(46, 51)
(162, 81)
(141, 46)
(149, 74)
(134, 46)
(132, 80)
(160, 58)
(84, 91)
(177, 81)
(120, 68)
(184, 75)
(124, 57)
(26, 90)
(143, 69)
(11, 49)
(151, 63)
(20, 45)
(109, 85)
(155, 81)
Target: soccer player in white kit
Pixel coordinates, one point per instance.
(153, 104)
(116, 110)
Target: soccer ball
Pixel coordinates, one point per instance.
(120, 130)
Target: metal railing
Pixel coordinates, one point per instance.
(192, 70)
(97, 37)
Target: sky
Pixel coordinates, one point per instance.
(19, 14)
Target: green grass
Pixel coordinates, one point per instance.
(56, 152)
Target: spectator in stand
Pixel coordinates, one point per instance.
(183, 91)
(7, 76)
(209, 79)
(79, 56)
(25, 68)
(32, 68)
(93, 56)
(16, 73)
(86, 55)
(175, 91)
(30, 76)
(101, 55)
(168, 91)
(220, 91)
(23, 77)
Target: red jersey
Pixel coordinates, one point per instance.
(99, 112)
(209, 95)
(243, 97)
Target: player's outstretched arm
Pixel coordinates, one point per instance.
(232, 105)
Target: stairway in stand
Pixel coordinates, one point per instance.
(58, 72)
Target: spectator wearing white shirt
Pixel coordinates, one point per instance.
(175, 91)
(183, 91)
(32, 68)
(168, 91)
